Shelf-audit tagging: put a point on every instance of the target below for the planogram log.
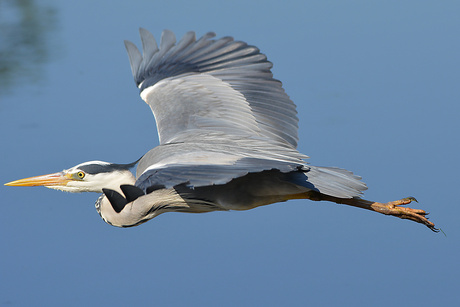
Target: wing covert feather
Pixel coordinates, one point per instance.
(213, 159)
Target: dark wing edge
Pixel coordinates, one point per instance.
(331, 181)
(207, 174)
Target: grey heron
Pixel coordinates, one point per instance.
(228, 139)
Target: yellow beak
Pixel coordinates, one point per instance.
(56, 179)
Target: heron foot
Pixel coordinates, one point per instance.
(395, 208)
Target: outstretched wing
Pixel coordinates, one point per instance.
(220, 115)
(217, 85)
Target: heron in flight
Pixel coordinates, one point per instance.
(228, 138)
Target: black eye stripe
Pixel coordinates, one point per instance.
(104, 168)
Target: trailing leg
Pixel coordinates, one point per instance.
(393, 208)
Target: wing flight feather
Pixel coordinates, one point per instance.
(234, 64)
(220, 115)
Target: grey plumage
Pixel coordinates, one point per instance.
(221, 115)
(227, 131)
(228, 138)
(237, 64)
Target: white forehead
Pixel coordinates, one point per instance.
(92, 163)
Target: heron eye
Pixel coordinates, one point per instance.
(81, 175)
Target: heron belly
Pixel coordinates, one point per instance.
(252, 190)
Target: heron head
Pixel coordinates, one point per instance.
(90, 176)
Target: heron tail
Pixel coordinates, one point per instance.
(330, 181)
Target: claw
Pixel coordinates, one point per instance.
(411, 198)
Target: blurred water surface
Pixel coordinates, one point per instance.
(376, 86)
